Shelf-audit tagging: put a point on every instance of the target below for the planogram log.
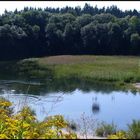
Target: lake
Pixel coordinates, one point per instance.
(101, 103)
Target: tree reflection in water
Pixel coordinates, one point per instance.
(95, 106)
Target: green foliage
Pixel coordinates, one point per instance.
(134, 130)
(105, 129)
(31, 69)
(24, 125)
(134, 21)
(5, 106)
(118, 70)
(72, 125)
(99, 68)
(118, 135)
(34, 32)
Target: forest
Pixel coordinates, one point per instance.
(36, 32)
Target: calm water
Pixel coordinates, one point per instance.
(116, 106)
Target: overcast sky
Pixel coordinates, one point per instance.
(123, 5)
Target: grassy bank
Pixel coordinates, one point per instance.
(101, 68)
(118, 70)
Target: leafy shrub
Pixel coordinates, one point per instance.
(105, 129)
(24, 125)
(118, 135)
(134, 130)
(132, 133)
(5, 107)
(72, 125)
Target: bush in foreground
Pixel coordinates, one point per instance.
(24, 125)
(132, 133)
(105, 129)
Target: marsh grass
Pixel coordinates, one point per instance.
(120, 70)
(101, 72)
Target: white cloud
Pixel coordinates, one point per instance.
(11, 6)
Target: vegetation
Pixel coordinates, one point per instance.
(106, 129)
(24, 125)
(39, 32)
(118, 135)
(132, 133)
(97, 68)
(71, 71)
(134, 130)
(110, 131)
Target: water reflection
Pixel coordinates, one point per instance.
(95, 105)
(63, 85)
(95, 108)
(71, 99)
(113, 98)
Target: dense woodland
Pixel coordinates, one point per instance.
(39, 32)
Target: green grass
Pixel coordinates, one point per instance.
(120, 70)
(100, 68)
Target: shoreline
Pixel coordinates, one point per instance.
(121, 73)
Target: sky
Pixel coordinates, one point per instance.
(12, 5)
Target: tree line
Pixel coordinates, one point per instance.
(36, 32)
